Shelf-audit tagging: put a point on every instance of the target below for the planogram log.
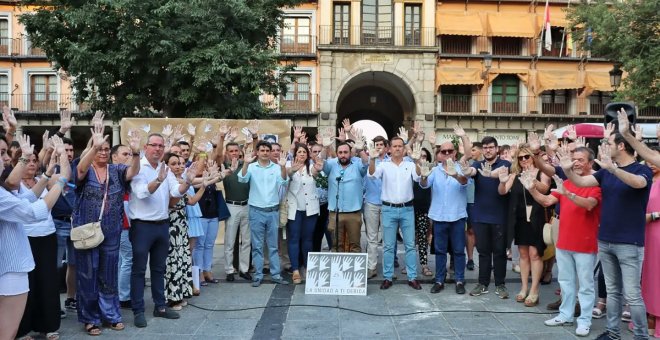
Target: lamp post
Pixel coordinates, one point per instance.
(615, 76)
(487, 62)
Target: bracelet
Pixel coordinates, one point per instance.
(46, 176)
(61, 181)
(136, 154)
(23, 160)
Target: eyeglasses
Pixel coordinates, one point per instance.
(104, 150)
(125, 153)
(157, 146)
(447, 152)
(524, 157)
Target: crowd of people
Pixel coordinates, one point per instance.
(157, 200)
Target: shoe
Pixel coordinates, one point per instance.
(246, 276)
(256, 283)
(230, 277)
(479, 290)
(279, 281)
(437, 288)
(606, 336)
(296, 277)
(502, 292)
(70, 304)
(532, 300)
(556, 321)
(372, 273)
(252, 270)
(516, 268)
(386, 284)
(582, 331)
(460, 288)
(62, 314)
(125, 304)
(520, 297)
(554, 305)
(166, 313)
(625, 316)
(599, 311)
(470, 265)
(426, 271)
(139, 320)
(415, 285)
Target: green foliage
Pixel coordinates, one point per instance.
(624, 31)
(209, 58)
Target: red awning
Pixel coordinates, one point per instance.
(587, 130)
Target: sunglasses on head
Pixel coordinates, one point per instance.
(524, 157)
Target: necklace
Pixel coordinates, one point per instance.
(29, 182)
(99, 178)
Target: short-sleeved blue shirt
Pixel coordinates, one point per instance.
(489, 206)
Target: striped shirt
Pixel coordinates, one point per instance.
(15, 254)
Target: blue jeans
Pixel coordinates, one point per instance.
(152, 241)
(64, 243)
(264, 226)
(300, 233)
(203, 252)
(576, 270)
(622, 266)
(392, 220)
(125, 264)
(442, 233)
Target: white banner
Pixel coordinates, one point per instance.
(336, 274)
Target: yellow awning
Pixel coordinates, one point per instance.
(557, 80)
(458, 23)
(598, 81)
(519, 25)
(523, 74)
(458, 76)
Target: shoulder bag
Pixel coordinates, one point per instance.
(90, 235)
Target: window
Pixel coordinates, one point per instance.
(297, 96)
(4, 36)
(597, 102)
(456, 98)
(341, 24)
(557, 34)
(295, 36)
(43, 93)
(457, 44)
(507, 46)
(377, 22)
(555, 102)
(4, 90)
(505, 94)
(413, 25)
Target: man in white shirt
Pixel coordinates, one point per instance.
(397, 209)
(148, 209)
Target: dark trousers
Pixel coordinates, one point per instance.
(491, 244)
(42, 311)
(321, 229)
(151, 241)
(443, 233)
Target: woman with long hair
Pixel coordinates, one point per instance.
(303, 207)
(526, 220)
(421, 203)
(16, 259)
(100, 182)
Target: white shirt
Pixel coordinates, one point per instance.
(397, 181)
(41, 228)
(146, 206)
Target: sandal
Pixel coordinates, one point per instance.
(297, 279)
(521, 296)
(52, 336)
(92, 329)
(203, 283)
(426, 271)
(213, 281)
(532, 300)
(117, 326)
(597, 312)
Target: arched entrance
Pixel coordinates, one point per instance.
(378, 96)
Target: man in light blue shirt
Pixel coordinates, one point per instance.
(345, 175)
(265, 178)
(448, 212)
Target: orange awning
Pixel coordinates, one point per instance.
(519, 25)
(598, 81)
(558, 80)
(523, 74)
(458, 76)
(459, 23)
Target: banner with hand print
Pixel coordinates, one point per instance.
(336, 274)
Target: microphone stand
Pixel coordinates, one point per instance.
(339, 178)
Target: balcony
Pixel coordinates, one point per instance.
(649, 112)
(19, 48)
(297, 45)
(514, 105)
(42, 104)
(304, 104)
(377, 36)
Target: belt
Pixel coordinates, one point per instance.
(347, 212)
(62, 218)
(237, 202)
(398, 205)
(167, 220)
(267, 209)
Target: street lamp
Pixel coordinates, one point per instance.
(488, 63)
(615, 76)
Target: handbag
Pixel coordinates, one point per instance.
(551, 230)
(223, 210)
(90, 235)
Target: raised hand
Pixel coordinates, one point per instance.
(134, 139)
(425, 168)
(66, 122)
(249, 156)
(580, 142)
(98, 119)
(318, 163)
(45, 141)
(572, 134)
(234, 165)
(212, 166)
(97, 136)
(431, 137)
(605, 158)
(359, 138)
(565, 160)
(232, 134)
(373, 151)
(162, 172)
(503, 174)
(341, 135)
(639, 133)
(58, 145)
(191, 130)
(458, 131)
(624, 124)
(178, 133)
(27, 149)
(282, 160)
(609, 130)
(223, 130)
(297, 131)
(451, 168)
(297, 164)
(9, 122)
(346, 123)
(486, 169)
(192, 172)
(50, 169)
(416, 151)
(253, 127)
(560, 185)
(534, 142)
(303, 138)
(167, 131)
(465, 167)
(527, 179)
(403, 133)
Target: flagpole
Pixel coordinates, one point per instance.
(563, 36)
(545, 18)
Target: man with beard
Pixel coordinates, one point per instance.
(345, 180)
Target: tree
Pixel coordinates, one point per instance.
(624, 31)
(210, 58)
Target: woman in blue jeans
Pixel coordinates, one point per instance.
(203, 251)
(302, 207)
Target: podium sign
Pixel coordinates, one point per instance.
(336, 274)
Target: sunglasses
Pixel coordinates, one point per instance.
(447, 152)
(524, 157)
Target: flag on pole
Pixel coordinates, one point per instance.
(546, 26)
